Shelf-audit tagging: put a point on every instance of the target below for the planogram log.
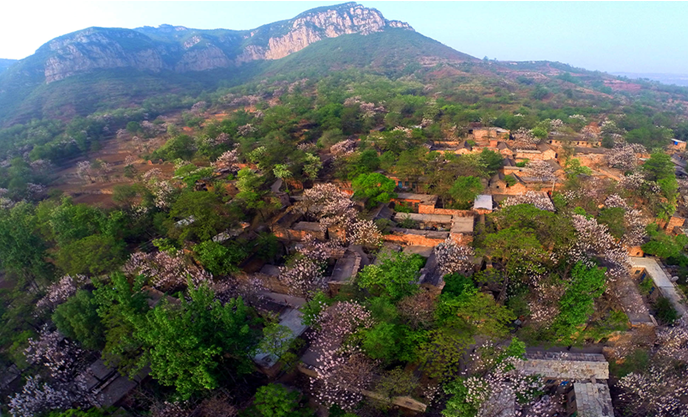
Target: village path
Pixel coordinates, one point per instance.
(662, 282)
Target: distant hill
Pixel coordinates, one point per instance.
(6, 63)
(101, 67)
(98, 69)
(669, 79)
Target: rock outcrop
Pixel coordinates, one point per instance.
(96, 48)
(180, 49)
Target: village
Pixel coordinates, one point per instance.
(328, 222)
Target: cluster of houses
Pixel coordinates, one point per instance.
(417, 225)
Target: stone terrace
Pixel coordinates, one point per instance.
(662, 282)
(593, 399)
(565, 365)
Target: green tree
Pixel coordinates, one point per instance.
(516, 247)
(387, 342)
(122, 307)
(663, 245)
(250, 193)
(613, 218)
(374, 187)
(22, 251)
(311, 166)
(198, 215)
(282, 172)
(188, 345)
(133, 127)
(218, 258)
(95, 255)
(462, 403)
(179, 147)
(578, 301)
(71, 222)
(78, 319)
(492, 160)
(396, 276)
(574, 168)
(276, 340)
(274, 400)
(464, 190)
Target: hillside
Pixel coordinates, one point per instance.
(152, 60)
(6, 63)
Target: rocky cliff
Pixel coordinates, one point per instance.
(181, 49)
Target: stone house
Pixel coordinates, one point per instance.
(498, 185)
(426, 221)
(418, 203)
(582, 377)
(542, 152)
(591, 157)
(483, 133)
(287, 226)
(505, 150)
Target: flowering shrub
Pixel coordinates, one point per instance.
(343, 148)
(496, 386)
(540, 169)
(227, 160)
(622, 157)
(60, 291)
(37, 397)
(334, 208)
(165, 270)
(342, 371)
(539, 200)
(594, 239)
(452, 257)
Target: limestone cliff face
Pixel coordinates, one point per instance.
(202, 59)
(176, 48)
(93, 49)
(311, 27)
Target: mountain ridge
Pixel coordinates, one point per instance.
(158, 52)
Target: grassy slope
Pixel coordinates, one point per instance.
(390, 50)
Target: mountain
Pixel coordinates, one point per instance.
(6, 63)
(97, 67)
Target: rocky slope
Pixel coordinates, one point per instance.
(101, 68)
(182, 49)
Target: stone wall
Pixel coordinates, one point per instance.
(416, 237)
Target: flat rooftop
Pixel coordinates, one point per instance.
(308, 226)
(462, 225)
(593, 399)
(423, 198)
(424, 218)
(566, 365)
(483, 201)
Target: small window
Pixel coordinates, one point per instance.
(406, 183)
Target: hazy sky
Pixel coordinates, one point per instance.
(610, 36)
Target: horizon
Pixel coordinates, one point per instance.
(638, 38)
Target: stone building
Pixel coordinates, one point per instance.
(487, 133)
(581, 376)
